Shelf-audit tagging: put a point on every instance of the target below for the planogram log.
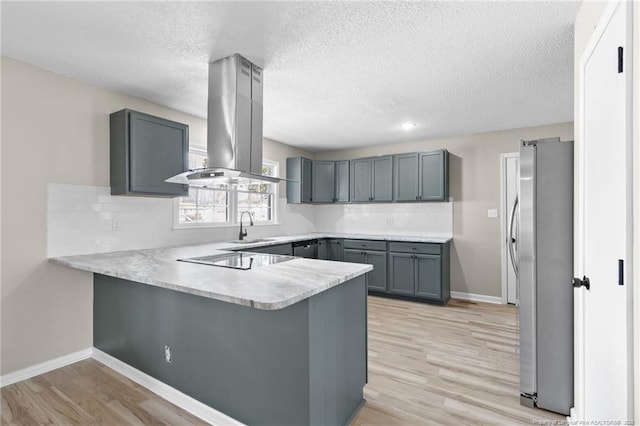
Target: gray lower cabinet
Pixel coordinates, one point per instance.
(421, 176)
(419, 270)
(376, 279)
(299, 169)
(323, 181)
(415, 275)
(335, 249)
(401, 274)
(372, 179)
(428, 275)
(144, 151)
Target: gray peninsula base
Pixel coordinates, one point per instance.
(304, 364)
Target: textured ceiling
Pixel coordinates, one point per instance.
(337, 74)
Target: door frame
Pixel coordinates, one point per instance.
(504, 219)
(577, 412)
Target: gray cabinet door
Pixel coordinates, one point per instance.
(307, 179)
(299, 171)
(406, 177)
(401, 274)
(377, 279)
(342, 181)
(355, 256)
(428, 278)
(335, 250)
(382, 179)
(146, 150)
(433, 176)
(323, 253)
(323, 182)
(361, 180)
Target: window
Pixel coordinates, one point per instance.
(223, 204)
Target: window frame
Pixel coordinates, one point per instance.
(233, 204)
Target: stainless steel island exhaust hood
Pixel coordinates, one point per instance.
(234, 125)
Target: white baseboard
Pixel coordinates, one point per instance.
(44, 367)
(476, 297)
(165, 391)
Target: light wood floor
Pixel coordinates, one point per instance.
(448, 365)
(87, 393)
(427, 365)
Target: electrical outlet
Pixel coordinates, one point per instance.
(167, 353)
(115, 224)
(492, 213)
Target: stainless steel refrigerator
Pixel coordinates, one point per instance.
(544, 264)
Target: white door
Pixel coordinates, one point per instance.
(510, 221)
(606, 219)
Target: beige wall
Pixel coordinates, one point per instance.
(55, 129)
(474, 176)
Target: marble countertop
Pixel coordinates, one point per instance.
(267, 287)
(283, 239)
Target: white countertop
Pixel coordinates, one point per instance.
(267, 287)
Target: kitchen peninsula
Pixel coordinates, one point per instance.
(277, 344)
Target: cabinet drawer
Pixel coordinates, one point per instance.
(365, 244)
(423, 248)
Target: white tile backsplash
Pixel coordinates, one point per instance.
(80, 220)
(419, 219)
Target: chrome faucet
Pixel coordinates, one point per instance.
(244, 234)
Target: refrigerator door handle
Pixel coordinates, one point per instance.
(512, 241)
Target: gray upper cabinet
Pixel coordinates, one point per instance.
(361, 180)
(434, 176)
(414, 176)
(406, 179)
(372, 179)
(323, 182)
(342, 181)
(145, 150)
(382, 179)
(300, 170)
(421, 176)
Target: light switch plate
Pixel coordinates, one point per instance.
(492, 213)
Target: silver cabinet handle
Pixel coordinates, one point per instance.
(512, 241)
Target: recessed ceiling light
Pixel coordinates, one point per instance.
(408, 125)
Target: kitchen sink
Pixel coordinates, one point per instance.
(251, 241)
(242, 260)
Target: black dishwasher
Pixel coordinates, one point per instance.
(308, 249)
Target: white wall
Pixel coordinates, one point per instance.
(55, 130)
(474, 185)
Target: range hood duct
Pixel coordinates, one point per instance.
(234, 125)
